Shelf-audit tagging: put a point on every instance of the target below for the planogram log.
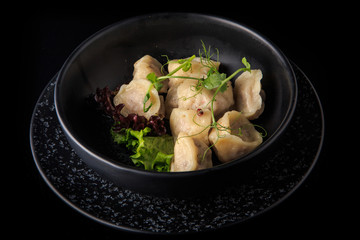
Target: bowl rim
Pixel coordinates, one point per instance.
(134, 170)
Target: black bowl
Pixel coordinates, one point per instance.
(107, 58)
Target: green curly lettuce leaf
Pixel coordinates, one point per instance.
(151, 153)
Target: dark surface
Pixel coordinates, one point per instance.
(318, 207)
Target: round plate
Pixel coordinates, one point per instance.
(288, 165)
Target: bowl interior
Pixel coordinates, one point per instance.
(107, 58)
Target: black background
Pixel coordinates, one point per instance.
(305, 35)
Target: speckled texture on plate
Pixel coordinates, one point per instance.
(288, 165)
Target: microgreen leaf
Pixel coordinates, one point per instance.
(152, 77)
(214, 80)
(246, 64)
(158, 86)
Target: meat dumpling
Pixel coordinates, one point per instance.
(235, 138)
(171, 100)
(189, 154)
(146, 65)
(191, 122)
(197, 70)
(249, 98)
(185, 96)
(132, 96)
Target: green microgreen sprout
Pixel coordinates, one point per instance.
(220, 83)
(263, 132)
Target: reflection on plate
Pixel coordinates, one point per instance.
(289, 163)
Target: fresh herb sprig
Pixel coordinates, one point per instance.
(219, 81)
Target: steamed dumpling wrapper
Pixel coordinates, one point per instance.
(197, 70)
(189, 154)
(132, 96)
(146, 65)
(248, 94)
(190, 123)
(235, 137)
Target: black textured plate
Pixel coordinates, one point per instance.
(288, 165)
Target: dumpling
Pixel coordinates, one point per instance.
(185, 96)
(248, 94)
(197, 70)
(146, 65)
(189, 154)
(235, 138)
(171, 100)
(191, 122)
(132, 96)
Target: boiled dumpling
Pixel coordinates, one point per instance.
(132, 96)
(171, 100)
(197, 70)
(235, 137)
(191, 122)
(248, 94)
(189, 154)
(185, 96)
(146, 65)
